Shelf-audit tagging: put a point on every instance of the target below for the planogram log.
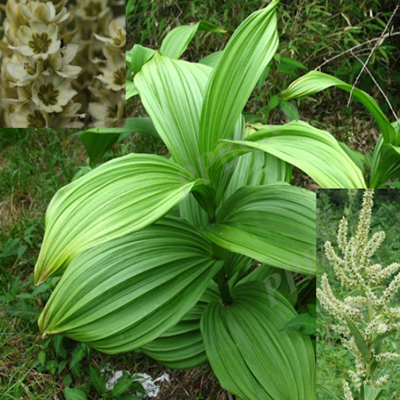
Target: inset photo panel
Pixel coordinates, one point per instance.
(62, 63)
(358, 296)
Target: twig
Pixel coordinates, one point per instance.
(230, 397)
(380, 89)
(370, 54)
(356, 46)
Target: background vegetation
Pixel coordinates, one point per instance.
(312, 34)
(332, 205)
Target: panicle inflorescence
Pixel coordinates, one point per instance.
(368, 306)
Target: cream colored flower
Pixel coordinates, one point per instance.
(24, 71)
(28, 116)
(50, 92)
(92, 10)
(109, 111)
(117, 35)
(69, 117)
(45, 12)
(114, 74)
(38, 40)
(60, 62)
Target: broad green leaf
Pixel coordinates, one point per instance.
(316, 81)
(181, 347)
(357, 157)
(371, 393)
(123, 294)
(130, 90)
(303, 323)
(141, 125)
(234, 77)
(385, 163)
(74, 394)
(191, 211)
(257, 168)
(275, 279)
(274, 224)
(139, 56)
(222, 172)
(115, 199)
(178, 40)
(314, 151)
(98, 141)
(250, 353)
(359, 339)
(172, 93)
(212, 59)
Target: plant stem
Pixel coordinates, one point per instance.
(225, 293)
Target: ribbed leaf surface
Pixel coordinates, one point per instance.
(315, 81)
(233, 78)
(181, 347)
(117, 198)
(125, 293)
(172, 93)
(256, 169)
(250, 353)
(313, 150)
(385, 163)
(274, 224)
(178, 40)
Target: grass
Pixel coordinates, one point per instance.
(34, 164)
(332, 358)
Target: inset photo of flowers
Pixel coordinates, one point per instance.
(358, 324)
(62, 63)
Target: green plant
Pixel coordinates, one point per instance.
(366, 315)
(384, 164)
(158, 254)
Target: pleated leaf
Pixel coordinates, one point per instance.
(172, 93)
(316, 81)
(141, 125)
(117, 198)
(131, 90)
(139, 56)
(257, 168)
(125, 293)
(251, 354)
(178, 40)
(182, 347)
(98, 141)
(313, 150)
(274, 224)
(385, 163)
(234, 77)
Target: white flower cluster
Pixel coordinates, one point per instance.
(369, 306)
(48, 75)
(347, 391)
